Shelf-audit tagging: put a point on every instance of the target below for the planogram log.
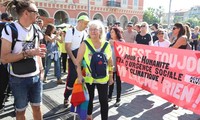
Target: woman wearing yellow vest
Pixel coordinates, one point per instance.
(61, 45)
(96, 40)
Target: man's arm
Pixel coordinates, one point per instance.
(6, 55)
(68, 44)
(69, 51)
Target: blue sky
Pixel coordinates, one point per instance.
(176, 4)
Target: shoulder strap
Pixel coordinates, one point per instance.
(14, 33)
(92, 50)
(35, 29)
(35, 33)
(89, 46)
(73, 30)
(104, 46)
(82, 38)
(2, 26)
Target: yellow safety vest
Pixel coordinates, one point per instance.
(87, 57)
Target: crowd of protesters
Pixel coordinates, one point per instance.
(65, 47)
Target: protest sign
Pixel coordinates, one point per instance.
(170, 73)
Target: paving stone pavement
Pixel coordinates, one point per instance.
(136, 104)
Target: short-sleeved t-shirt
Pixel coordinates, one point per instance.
(23, 36)
(164, 43)
(143, 39)
(75, 39)
(130, 37)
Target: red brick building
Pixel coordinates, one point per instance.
(108, 11)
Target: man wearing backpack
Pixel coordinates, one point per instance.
(20, 49)
(73, 39)
(4, 76)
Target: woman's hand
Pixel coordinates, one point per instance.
(111, 42)
(80, 80)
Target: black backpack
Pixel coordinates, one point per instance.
(23, 66)
(2, 25)
(98, 63)
(14, 32)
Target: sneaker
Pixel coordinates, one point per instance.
(117, 104)
(7, 98)
(60, 82)
(45, 80)
(66, 103)
(109, 99)
(2, 109)
(175, 107)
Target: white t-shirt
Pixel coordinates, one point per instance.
(23, 36)
(164, 43)
(75, 39)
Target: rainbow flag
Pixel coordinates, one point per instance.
(80, 100)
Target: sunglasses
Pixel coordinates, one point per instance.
(33, 11)
(143, 25)
(161, 33)
(174, 28)
(8, 19)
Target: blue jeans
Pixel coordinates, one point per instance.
(27, 89)
(56, 66)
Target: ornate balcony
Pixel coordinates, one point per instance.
(113, 4)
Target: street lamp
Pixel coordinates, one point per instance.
(89, 9)
(169, 13)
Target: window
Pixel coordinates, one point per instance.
(135, 4)
(124, 3)
(83, 1)
(99, 2)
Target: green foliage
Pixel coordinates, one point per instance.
(194, 21)
(152, 15)
(177, 19)
(149, 16)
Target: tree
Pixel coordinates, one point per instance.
(177, 19)
(194, 21)
(159, 12)
(149, 16)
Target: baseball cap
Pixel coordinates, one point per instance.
(117, 22)
(83, 17)
(4, 16)
(64, 29)
(130, 24)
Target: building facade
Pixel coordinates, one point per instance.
(108, 11)
(182, 15)
(194, 12)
